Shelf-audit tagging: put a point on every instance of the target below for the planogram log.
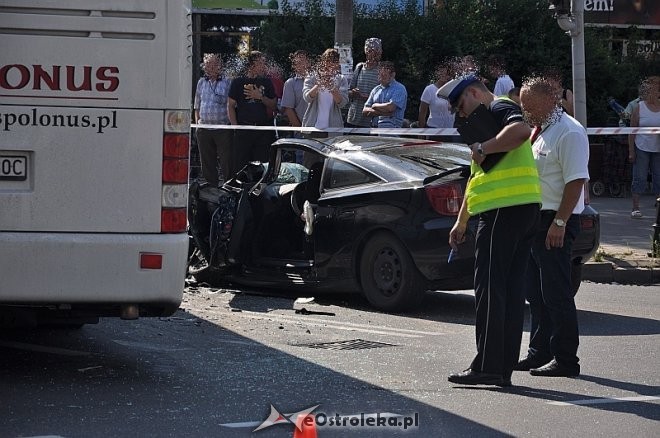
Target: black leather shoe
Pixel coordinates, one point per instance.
(530, 362)
(555, 369)
(470, 377)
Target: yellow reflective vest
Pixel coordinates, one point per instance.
(514, 180)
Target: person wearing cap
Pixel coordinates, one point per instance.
(211, 109)
(386, 104)
(507, 200)
(561, 151)
(365, 78)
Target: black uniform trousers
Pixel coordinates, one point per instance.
(554, 328)
(503, 245)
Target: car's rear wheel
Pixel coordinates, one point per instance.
(390, 280)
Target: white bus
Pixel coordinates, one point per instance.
(94, 143)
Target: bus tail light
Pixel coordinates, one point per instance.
(176, 149)
(173, 220)
(175, 170)
(176, 145)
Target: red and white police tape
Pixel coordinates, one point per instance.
(411, 131)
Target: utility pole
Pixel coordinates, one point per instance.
(344, 34)
(570, 17)
(579, 76)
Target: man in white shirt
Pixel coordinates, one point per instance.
(561, 152)
(504, 83)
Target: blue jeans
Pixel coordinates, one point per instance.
(554, 328)
(645, 162)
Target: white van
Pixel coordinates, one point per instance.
(94, 142)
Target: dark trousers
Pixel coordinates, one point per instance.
(554, 328)
(251, 146)
(503, 243)
(215, 146)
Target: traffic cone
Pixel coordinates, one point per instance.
(305, 429)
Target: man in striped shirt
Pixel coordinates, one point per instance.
(211, 109)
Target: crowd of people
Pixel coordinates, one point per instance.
(316, 96)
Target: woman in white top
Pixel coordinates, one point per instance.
(434, 111)
(644, 149)
(326, 92)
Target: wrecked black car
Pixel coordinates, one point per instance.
(350, 213)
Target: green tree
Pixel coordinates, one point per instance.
(523, 31)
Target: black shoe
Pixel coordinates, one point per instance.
(470, 377)
(530, 362)
(555, 369)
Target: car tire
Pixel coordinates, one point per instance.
(390, 280)
(576, 276)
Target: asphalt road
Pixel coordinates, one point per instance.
(215, 368)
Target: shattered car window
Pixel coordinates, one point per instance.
(292, 173)
(294, 164)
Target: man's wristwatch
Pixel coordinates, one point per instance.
(480, 150)
(559, 222)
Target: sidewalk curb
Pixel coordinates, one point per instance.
(606, 272)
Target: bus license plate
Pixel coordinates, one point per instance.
(13, 167)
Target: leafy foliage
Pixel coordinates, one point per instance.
(522, 31)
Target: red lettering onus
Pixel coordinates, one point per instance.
(75, 78)
(23, 72)
(105, 74)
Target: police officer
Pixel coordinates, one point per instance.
(506, 199)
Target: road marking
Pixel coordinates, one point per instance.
(244, 424)
(43, 349)
(598, 401)
(82, 370)
(366, 328)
